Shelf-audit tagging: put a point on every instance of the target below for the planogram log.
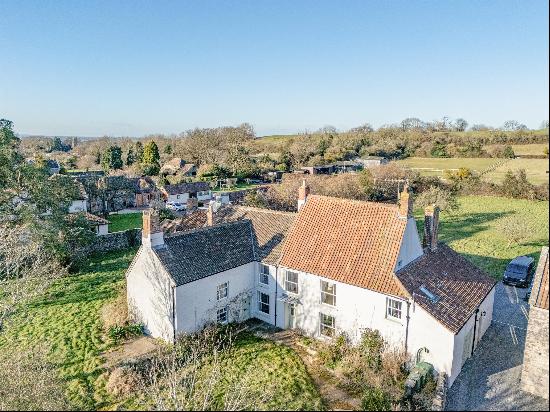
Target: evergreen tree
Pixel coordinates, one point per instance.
(139, 152)
(151, 159)
(112, 158)
(130, 157)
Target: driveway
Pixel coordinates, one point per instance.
(490, 379)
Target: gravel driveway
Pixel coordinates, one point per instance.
(490, 379)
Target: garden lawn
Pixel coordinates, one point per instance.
(473, 230)
(67, 322)
(125, 221)
(272, 369)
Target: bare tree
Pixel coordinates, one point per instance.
(26, 269)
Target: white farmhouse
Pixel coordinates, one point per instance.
(181, 192)
(336, 266)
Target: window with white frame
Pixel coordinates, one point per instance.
(393, 308)
(221, 315)
(327, 325)
(328, 293)
(263, 302)
(291, 281)
(264, 274)
(223, 291)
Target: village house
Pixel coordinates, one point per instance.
(178, 166)
(534, 375)
(337, 266)
(373, 161)
(146, 192)
(80, 206)
(181, 192)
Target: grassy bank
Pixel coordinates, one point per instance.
(67, 321)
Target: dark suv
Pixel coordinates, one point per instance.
(518, 272)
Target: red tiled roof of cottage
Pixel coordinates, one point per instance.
(539, 293)
(189, 221)
(349, 241)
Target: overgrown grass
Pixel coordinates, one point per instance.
(273, 367)
(125, 221)
(473, 230)
(67, 322)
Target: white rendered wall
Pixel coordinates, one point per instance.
(196, 302)
(356, 309)
(149, 293)
(102, 229)
(204, 197)
(466, 333)
(410, 248)
(426, 332)
(78, 206)
(181, 199)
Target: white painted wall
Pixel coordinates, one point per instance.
(426, 332)
(206, 195)
(411, 247)
(102, 229)
(78, 206)
(463, 339)
(356, 309)
(149, 293)
(178, 198)
(196, 302)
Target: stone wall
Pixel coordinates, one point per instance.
(440, 398)
(113, 241)
(534, 376)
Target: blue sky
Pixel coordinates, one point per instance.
(134, 67)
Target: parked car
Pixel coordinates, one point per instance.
(518, 272)
(178, 207)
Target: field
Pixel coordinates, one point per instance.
(473, 230)
(67, 321)
(535, 168)
(124, 221)
(534, 149)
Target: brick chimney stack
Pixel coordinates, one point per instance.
(303, 193)
(211, 215)
(152, 233)
(431, 227)
(192, 204)
(405, 203)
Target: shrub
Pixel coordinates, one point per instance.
(123, 381)
(442, 198)
(375, 399)
(371, 347)
(508, 152)
(117, 333)
(332, 353)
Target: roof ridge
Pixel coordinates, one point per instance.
(206, 228)
(367, 202)
(262, 210)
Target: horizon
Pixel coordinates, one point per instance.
(130, 69)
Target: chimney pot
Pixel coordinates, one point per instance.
(405, 203)
(303, 193)
(431, 227)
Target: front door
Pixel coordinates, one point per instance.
(291, 315)
(245, 309)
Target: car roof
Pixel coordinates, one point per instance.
(522, 261)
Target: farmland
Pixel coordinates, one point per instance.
(473, 230)
(535, 168)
